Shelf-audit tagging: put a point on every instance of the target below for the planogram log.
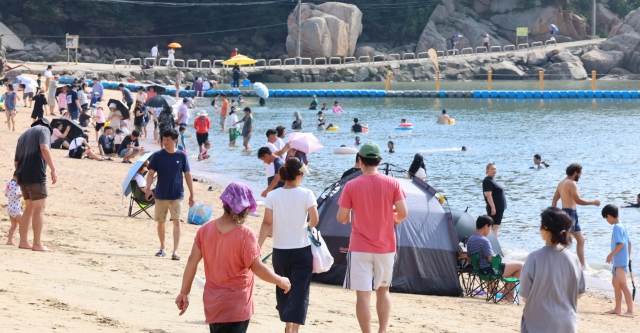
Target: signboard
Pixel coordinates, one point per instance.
(522, 32)
(72, 41)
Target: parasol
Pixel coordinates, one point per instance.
(158, 89)
(305, 142)
(126, 184)
(261, 90)
(161, 101)
(59, 89)
(456, 36)
(120, 106)
(240, 60)
(175, 45)
(75, 132)
(27, 81)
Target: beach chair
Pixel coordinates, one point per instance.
(481, 284)
(505, 285)
(137, 198)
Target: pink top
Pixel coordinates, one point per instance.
(99, 115)
(151, 94)
(62, 101)
(228, 291)
(372, 226)
(203, 153)
(338, 109)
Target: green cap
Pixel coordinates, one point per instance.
(370, 150)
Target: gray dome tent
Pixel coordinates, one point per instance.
(427, 243)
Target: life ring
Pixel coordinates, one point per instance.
(406, 125)
(451, 121)
(404, 128)
(345, 150)
(334, 128)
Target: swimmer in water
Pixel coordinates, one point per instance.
(633, 205)
(337, 108)
(321, 120)
(357, 141)
(324, 107)
(539, 164)
(464, 148)
(443, 118)
(391, 147)
(403, 121)
(314, 103)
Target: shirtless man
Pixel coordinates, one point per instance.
(568, 192)
(442, 119)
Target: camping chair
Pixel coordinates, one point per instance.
(465, 273)
(481, 283)
(137, 197)
(503, 283)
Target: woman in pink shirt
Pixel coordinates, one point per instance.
(62, 101)
(231, 256)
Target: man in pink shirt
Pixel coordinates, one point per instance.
(377, 203)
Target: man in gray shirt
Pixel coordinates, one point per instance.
(247, 128)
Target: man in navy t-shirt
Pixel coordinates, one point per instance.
(169, 164)
(73, 104)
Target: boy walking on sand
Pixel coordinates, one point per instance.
(377, 202)
(619, 259)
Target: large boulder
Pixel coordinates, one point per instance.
(9, 40)
(327, 30)
(538, 19)
(565, 71)
(51, 50)
(365, 51)
(601, 61)
(605, 19)
(625, 37)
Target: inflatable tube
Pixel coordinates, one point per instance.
(406, 125)
(466, 226)
(404, 128)
(365, 130)
(334, 128)
(345, 150)
(528, 94)
(451, 121)
(295, 93)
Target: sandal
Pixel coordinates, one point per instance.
(161, 253)
(175, 256)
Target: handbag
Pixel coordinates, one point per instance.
(322, 259)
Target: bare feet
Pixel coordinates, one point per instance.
(626, 314)
(41, 248)
(10, 242)
(25, 246)
(614, 311)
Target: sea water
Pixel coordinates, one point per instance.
(602, 135)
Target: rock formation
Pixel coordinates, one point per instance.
(9, 40)
(498, 18)
(625, 38)
(327, 30)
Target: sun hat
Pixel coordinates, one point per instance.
(238, 197)
(202, 113)
(112, 105)
(302, 167)
(370, 150)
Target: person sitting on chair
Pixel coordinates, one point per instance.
(140, 179)
(479, 243)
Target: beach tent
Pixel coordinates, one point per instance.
(426, 252)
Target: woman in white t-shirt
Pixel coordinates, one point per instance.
(417, 168)
(285, 217)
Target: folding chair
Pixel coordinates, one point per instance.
(466, 276)
(506, 285)
(137, 198)
(481, 283)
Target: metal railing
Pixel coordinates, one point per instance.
(161, 60)
(419, 55)
(273, 61)
(153, 60)
(177, 61)
(135, 59)
(404, 56)
(302, 61)
(191, 61)
(335, 58)
(349, 60)
(526, 46)
(511, 47)
(468, 49)
(216, 62)
(497, 47)
(363, 57)
(452, 52)
(534, 44)
(205, 61)
(123, 61)
(394, 55)
(440, 53)
(479, 48)
(284, 63)
(324, 61)
(379, 56)
(549, 42)
(263, 61)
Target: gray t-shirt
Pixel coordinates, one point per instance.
(551, 280)
(246, 127)
(31, 165)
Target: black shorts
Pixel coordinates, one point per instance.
(489, 270)
(77, 153)
(202, 137)
(497, 219)
(99, 126)
(57, 143)
(236, 327)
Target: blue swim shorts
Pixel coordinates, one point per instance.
(574, 215)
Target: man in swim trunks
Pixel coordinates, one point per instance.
(568, 192)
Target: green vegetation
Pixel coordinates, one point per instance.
(383, 19)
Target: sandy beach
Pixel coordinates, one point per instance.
(103, 275)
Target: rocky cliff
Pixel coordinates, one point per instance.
(327, 30)
(622, 49)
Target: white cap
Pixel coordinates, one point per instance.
(112, 105)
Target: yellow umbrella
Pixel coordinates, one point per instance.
(175, 45)
(240, 59)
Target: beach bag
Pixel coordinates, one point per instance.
(199, 214)
(322, 259)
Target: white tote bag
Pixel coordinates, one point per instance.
(322, 259)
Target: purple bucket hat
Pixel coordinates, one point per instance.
(239, 197)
